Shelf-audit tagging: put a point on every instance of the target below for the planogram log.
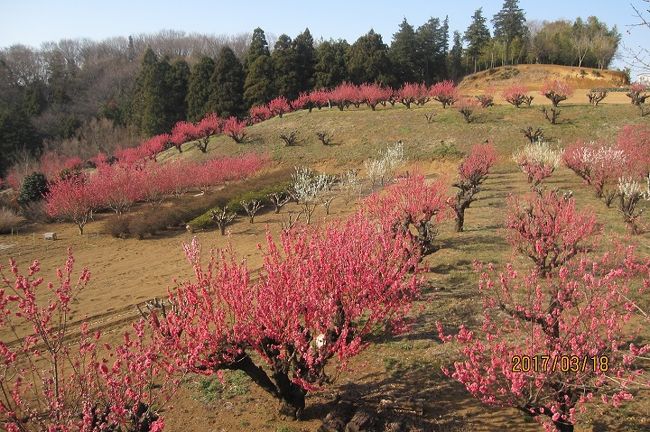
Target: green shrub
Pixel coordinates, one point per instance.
(256, 188)
(447, 151)
(33, 189)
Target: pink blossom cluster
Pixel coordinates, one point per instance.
(119, 186)
(600, 165)
(412, 207)
(58, 377)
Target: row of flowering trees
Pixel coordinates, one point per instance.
(616, 172)
(318, 297)
(346, 95)
(117, 187)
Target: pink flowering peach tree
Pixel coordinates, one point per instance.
(72, 199)
(319, 295)
(412, 207)
(57, 376)
(556, 91)
(472, 172)
(444, 92)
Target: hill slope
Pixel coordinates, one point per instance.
(533, 75)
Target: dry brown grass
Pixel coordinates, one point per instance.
(8, 220)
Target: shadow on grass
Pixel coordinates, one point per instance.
(413, 397)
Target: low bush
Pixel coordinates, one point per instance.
(8, 220)
(258, 188)
(34, 188)
(447, 151)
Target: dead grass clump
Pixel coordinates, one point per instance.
(8, 220)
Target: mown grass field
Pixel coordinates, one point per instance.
(405, 370)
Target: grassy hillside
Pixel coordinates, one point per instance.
(533, 75)
(403, 370)
(360, 134)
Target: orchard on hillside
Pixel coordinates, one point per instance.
(554, 337)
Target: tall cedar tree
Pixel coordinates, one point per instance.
(331, 69)
(258, 47)
(510, 25)
(16, 132)
(198, 94)
(258, 67)
(477, 36)
(149, 106)
(227, 85)
(303, 46)
(179, 76)
(432, 45)
(404, 54)
(285, 68)
(368, 61)
(455, 62)
(258, 86)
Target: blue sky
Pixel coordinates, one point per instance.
(32, 22)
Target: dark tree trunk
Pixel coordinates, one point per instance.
(460, 219)
(292, 396)
(563, 427)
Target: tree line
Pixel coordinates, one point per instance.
(145, 84)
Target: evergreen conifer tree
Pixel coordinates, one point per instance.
(227, 85)
(477, 37)
(198, 94)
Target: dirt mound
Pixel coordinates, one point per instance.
(533, 75)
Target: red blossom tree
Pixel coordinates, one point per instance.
(548, 229)
(372, 94)
(555, 337)
(637, 93)
(634, 140)
(279, 106)
(72, 199)
(319, 98)
(235, 129)
(209, 126)
(57, 377)
(407, 94)
(556, 91)
(410, 205)
(444, 92)
(468, 107)
(301, 102)
(344, 95)
(154, 145)
(319, 295)
(472, 172)
(516, 95)
(183, 132)
(259, 113)
(118, 187)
